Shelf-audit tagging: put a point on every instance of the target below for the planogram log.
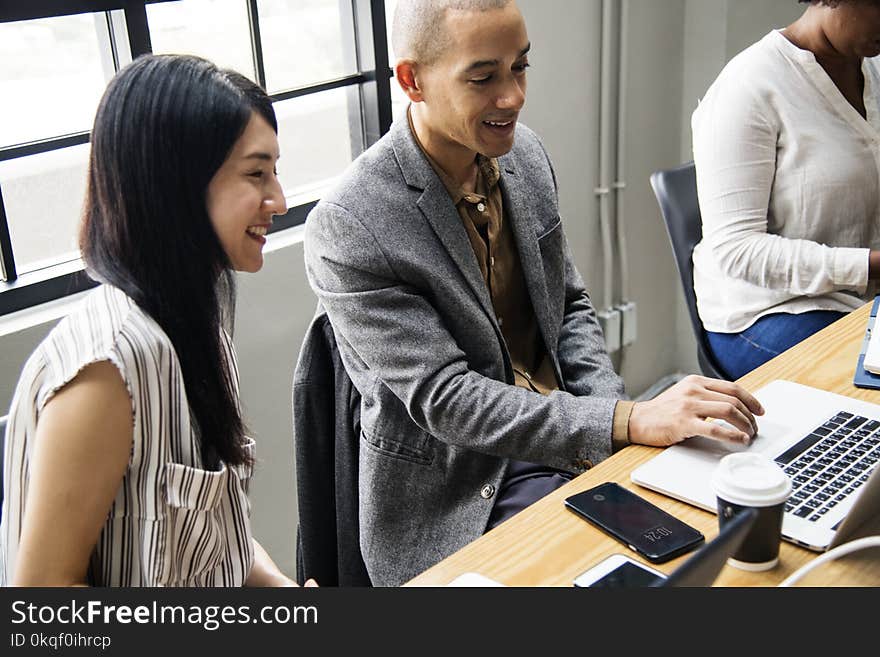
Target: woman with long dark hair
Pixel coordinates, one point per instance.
(127, 461)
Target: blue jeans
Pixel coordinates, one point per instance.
(740, 353)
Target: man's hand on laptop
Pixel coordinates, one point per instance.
(684, 410)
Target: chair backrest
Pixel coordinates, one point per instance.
(676, 192)
(326, 428)
(2, 448)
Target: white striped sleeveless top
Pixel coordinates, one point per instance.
(172, 523)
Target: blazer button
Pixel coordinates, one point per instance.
(487, 491)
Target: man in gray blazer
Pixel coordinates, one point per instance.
(441, 262)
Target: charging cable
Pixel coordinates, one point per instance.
(839, 551)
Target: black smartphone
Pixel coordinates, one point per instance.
(635, 522)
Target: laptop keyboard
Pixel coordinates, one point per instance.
(830, 463)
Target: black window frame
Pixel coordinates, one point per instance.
(372, 82)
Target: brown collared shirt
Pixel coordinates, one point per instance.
(492, 239)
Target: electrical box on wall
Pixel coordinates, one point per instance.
(609, 319)
(628, 323)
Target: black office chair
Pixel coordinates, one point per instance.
(326, 428)
(676, 192)
(2, 447)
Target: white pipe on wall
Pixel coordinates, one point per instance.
(603, 189)
(619, 185)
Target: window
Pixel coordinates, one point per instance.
(314, 133)
(399, 101)
(45, 63)
(42, 197)
(289, 53)
(214, 29)
(324, 62)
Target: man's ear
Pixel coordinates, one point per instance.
(405, 72)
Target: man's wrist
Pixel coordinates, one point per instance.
(620, 436)
(635, 428)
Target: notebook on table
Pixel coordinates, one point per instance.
(828, 444)
(867, 374)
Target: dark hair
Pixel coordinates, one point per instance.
(827, 3)
(165, 125)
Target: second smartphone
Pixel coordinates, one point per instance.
(619, 571)
(635, 522)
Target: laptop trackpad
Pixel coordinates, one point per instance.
(760, 443)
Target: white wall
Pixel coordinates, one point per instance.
(274, 309)
(652, 128)
(674, 50)
(563, 108)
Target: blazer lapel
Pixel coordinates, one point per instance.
(516, 210)
(437, 207)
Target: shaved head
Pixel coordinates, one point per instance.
(419, 31)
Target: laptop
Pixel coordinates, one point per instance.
(828, 444)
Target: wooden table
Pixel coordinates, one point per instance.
(547, 545)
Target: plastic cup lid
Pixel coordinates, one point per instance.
(750, 480)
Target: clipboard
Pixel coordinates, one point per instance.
(863, 378)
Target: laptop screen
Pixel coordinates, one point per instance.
(703, 566)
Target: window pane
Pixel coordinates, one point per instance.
(399, 101)
(52, 76)
(43, 196)
(319, 135)
(390, 5)
(306, 42)
(214, 29)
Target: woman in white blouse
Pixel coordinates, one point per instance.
(787, 155)
(126, 458)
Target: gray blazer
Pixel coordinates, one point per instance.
(390, 261)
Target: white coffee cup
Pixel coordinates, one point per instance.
(746, 480)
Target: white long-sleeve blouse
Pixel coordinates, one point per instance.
(787, 175)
